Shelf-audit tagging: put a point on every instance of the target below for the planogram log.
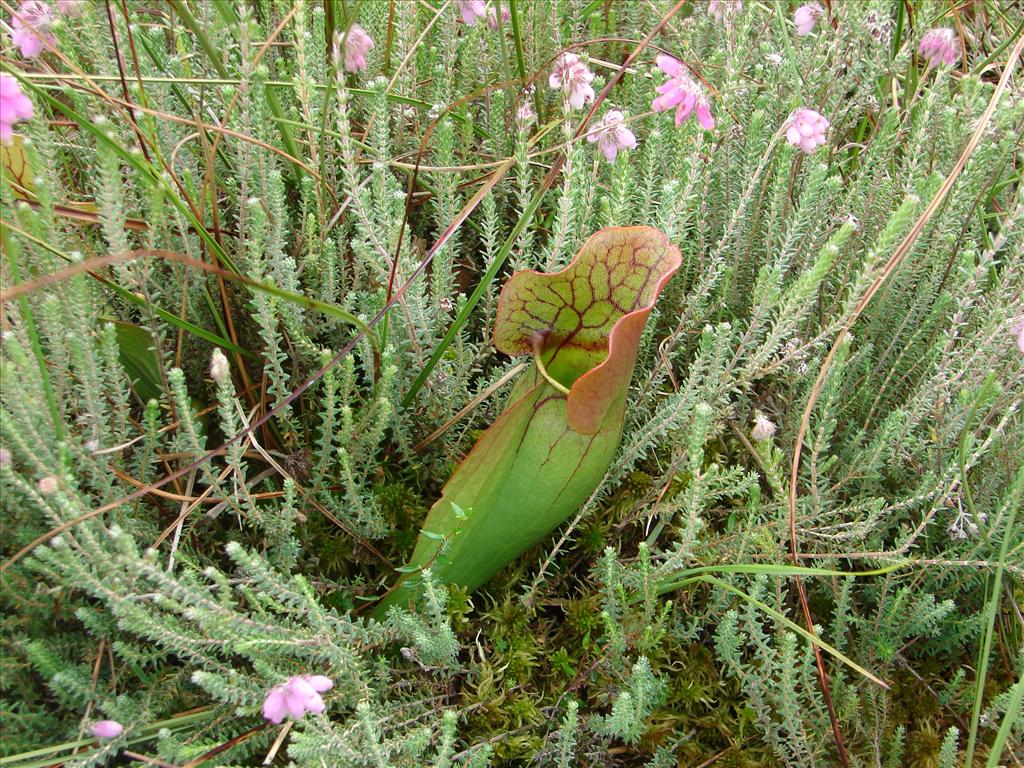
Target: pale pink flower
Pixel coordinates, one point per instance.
(723, 11)
(14, 106)
(472, 10)
(763, 428)
(1017, 329)
(107, 729)
(30, 28)
(356, 44)
(5, 457)
(682, 92)
(47, 485)
(940, 46)
(573, 78)
(806, 17)
(296, 697)
(71, 8)
(492, 16)
(524, 115)
(806, 129)
(611, 134)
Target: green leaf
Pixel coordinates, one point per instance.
(552, 445)
(139, 360)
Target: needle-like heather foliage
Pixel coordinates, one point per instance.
(251, 257)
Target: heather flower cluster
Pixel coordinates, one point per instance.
(682, 92)
(524, 114)
(30, 28)
(107, 729)
(940, 46)
(356, 44)
(611, 134)
(573, 78)
(806, 17)
(294, 698)
(723, 11)
(807, 129)
(14, 106)
(472, 10)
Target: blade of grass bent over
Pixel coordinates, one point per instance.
(771, 570)
(85, 266)
(814, 639)
(139, 301)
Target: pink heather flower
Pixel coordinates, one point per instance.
(30, 28)
(47, 485)
(682, 92)
(472, 10)
(763, 428)
(573, 78)
(806, 129)
(356, 44)
(524, 115)
(940, 46)
(723, 11)
(301, 694)
(1017, 329)
(107, 729)
(14, 106)
(806, 16)
(492, 16)
(611, 135)
(71, 8)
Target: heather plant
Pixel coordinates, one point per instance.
(253, 254)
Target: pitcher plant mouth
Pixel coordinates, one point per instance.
(582, 324)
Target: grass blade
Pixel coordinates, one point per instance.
(833, 651)
(770, 570)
